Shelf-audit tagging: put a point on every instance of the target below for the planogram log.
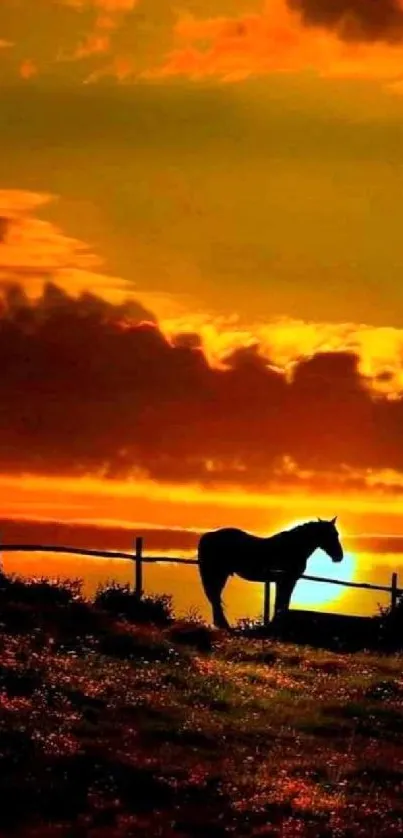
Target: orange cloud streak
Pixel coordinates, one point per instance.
(110, 17)
(32, 251)
(125, 503)
(109, 6)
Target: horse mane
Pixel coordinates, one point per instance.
(299, 527)
(299, 531)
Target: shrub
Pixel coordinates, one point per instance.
(120, 601)
(39, 591)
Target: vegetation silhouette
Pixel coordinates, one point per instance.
(225, 552)
(120, 601)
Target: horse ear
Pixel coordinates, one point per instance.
(320, 520)
(333, 521)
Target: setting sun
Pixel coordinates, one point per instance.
(315, 594)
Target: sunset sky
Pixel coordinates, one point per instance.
(201, 261)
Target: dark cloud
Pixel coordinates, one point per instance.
(87, 387)
(93, 537)
(355, 20)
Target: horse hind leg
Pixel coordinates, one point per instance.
(219, 618)
(284, 589)
(213, 579)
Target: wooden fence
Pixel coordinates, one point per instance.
(139, 559)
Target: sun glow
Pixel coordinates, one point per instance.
(319, 593)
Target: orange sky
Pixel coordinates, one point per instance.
(201, 312)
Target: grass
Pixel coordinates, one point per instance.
(110, 727)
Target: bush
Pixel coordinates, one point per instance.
(120, 601)
(40, 591)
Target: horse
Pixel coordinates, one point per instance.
(281, 558)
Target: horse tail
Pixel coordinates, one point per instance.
(206, 569)
(213, 577)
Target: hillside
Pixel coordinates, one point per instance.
(113, 729)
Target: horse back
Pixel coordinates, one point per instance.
(225, 539)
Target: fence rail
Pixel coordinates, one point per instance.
(138, 559)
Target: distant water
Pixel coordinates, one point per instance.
(243, 599)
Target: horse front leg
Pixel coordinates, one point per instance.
(219, 618)
(284, 589)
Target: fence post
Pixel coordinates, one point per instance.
(138, 579)
(394, 591)
(266, 604)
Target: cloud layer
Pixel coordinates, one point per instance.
(89, 387)
(92, 384)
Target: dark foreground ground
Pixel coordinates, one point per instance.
(113, 729)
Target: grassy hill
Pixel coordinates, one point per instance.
(112, 728)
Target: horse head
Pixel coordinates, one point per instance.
(329, 540)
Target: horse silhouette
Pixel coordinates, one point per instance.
(281, 558)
